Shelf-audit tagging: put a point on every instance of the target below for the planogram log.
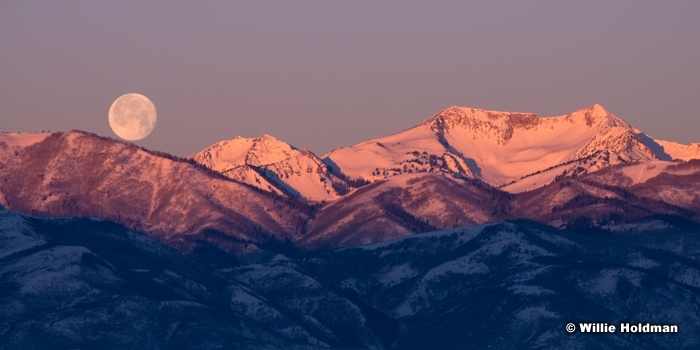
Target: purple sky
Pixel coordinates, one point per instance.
(324, 74)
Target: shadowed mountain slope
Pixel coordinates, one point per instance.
(83, 283)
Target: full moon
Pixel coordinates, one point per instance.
(132, 116)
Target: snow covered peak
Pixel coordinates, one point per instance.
(259, 151)
(503, 124)
(271, 140)
(272, 165)
(267, 149)
(501, 148)
(597, 116)
(487, 122)
(598, 109)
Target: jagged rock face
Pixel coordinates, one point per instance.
(79, 174)
(498, 125)
(272, 165)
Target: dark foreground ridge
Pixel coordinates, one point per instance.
(83, 283)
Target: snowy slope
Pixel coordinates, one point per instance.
(11, 143)
(624, 197)
(634, 174)
(81, 174)
(518, 150)
(680, 151)
(402, 206)
(514, 151)
(13, 140)
(83, 284)
(63, 279)
(272, 165)
(501, 286)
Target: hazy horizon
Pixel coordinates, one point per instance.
(322, 75)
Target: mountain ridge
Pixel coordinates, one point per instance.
(168, 197)
(273, 165)
(82, 283)
(501, 147)
(153, 250)
(424, 180)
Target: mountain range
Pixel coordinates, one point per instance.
(513, 151)
(68, 283)
(460, 167)
(473, 229)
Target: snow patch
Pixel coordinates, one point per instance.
(535, 313)
(465, 265)
(637, 260)
(16, 235)
(685, 274)
(392, 276)
(54, 269)
(530, 290)
(679, 150)
(23, 139)
(606, 282)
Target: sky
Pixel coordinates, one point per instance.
(325, 74)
